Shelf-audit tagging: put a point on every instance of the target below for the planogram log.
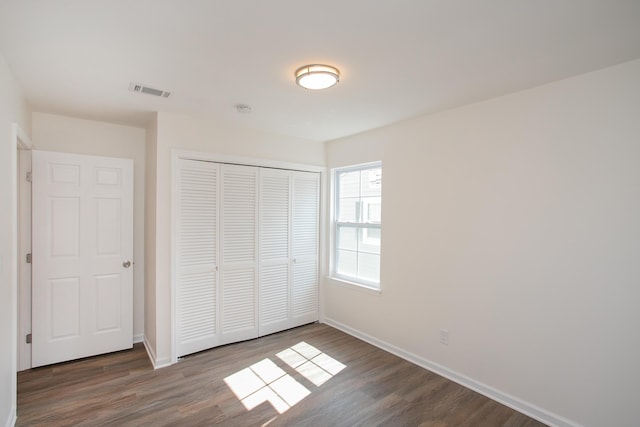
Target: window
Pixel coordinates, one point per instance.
(357, 221)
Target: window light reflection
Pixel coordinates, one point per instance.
(265, 381)
(311, 363)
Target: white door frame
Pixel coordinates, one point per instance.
(22, 142)
(24, 268)
(247, 161)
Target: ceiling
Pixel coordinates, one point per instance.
(398, 59)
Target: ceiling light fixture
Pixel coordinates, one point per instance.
(317, 76)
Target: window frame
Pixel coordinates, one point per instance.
(358, 226)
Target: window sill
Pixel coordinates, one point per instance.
(342, 283)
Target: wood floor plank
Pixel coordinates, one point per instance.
(374, 388)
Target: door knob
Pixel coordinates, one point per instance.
(126, 264)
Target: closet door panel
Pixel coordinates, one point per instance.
(274, 299)
(238, 298)
(196, 256)
(239, 252)
(305, 211)
(305, 292)
(275, 226)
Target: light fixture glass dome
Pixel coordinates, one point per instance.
(317, 76)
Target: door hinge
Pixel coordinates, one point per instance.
(29, 338)
(28, 258)
(29, 177)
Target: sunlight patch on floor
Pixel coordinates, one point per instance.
(311, 363)
(265, 381)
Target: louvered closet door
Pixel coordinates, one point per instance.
(196, 261)
(275, 259)
(239, 253)
(305, 208)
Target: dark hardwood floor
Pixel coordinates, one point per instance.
(332, 379)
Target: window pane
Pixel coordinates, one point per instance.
(372, 209)
(349, 184)
(348, 238)
(374, 233)
(348, 209)
(369, 240)
(371, 182)
(369, 267)
(347, 263)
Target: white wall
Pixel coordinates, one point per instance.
(514, 224)
(13, 109)
(187, 133)
(71, 135)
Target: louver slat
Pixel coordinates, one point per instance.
(238, 313)
(305, 293)
(274, 294)
(274, 216)
(197, 306)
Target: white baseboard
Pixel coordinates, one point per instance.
(138, 338)
(513, 402)
(11, 420)
(157, 364)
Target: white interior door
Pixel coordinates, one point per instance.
(82, 300)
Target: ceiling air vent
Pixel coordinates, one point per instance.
(137, 87)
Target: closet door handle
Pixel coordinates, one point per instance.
(126, 263)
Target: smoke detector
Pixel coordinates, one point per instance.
(243, 108)
(137, 87)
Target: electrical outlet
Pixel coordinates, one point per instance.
(444, 337)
